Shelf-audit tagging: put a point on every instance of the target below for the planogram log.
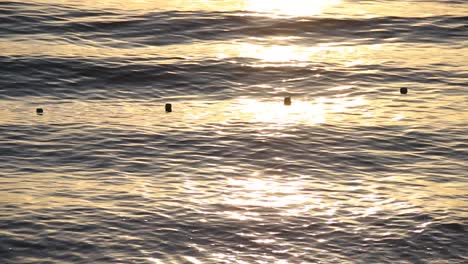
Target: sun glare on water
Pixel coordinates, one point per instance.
(291, 7)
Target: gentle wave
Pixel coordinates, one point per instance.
(115, 78)
(172, 27)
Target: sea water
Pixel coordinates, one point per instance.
(351, 172)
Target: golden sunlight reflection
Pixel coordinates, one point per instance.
(271, 51)
(291, 7)
(290, 198)
(191, 113)
(300, 112)
(274, 51)
(270, 7)
(340, 109)
(274, 7)
(348, 55)
(265, 193)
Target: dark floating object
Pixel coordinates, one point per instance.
(287, 101)
(404, 90)
(39, 111)
(168, 108)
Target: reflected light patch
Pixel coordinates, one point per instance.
(265, 241)
(248, 216)
(279, 53)
(193, 260)
(291, 7)
(190, 113)
(276, 113)
(296, 55)
(155, 261)
(398, 117)
(299, 112)
(265, 193)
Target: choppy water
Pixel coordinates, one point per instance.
(351, 172)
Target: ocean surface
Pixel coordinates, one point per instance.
(351, 172)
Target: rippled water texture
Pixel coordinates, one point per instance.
(351, 172)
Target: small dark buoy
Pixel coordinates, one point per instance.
(287, 101)
(39, 111)
(404, 90)
(168, 108)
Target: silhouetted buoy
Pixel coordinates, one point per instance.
(404, 90)
(39, 111)
(168, 108)
(287, 101)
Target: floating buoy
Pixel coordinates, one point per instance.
(39, 111)
(404, 90)
(168, 108)
(287, 101)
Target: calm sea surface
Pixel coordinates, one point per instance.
(351, 172)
